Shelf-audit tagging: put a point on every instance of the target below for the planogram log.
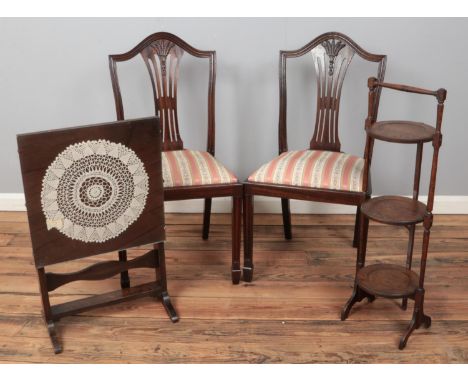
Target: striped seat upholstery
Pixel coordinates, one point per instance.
(313, 168)
(193, 168)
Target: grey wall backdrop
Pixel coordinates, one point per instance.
(54, 73)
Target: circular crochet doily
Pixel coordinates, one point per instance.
(94, 190)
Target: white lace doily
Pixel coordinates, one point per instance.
(94, 190)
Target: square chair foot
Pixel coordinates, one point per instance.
(236, 276)
(247, 274)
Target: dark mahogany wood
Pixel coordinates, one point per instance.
(162, 53)
(401, 131)
(331, 53)
(286, 218)
(206, 219)
(38, 150)
(304, 193)
(396, 210)
(105, 299)
(50, 246)
(247, 270)
(358, 293)
(100, 271)
(124, 277)
(388, 280)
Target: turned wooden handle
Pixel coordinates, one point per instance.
(440, 94)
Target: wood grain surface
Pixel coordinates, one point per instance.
(290, 313)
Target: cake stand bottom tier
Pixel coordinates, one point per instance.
(388, 280)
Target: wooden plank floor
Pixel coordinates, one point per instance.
(290, 313)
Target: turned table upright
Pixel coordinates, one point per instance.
(390, 280)
(91, 190)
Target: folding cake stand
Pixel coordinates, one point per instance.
(389, 280)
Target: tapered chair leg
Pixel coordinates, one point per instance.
(236, 238)
(124, 277)
(248, 238)
(356, 228)
(206, 219)
(286, 219)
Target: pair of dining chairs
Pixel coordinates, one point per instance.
(320, 173)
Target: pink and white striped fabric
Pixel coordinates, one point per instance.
(313, 168)
(193, 168)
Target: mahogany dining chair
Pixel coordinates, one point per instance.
(188, 174)
(321, 173)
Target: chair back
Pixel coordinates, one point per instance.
(332, 53)
(162, 53)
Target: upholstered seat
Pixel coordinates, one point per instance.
(313, 168)
(193, 168)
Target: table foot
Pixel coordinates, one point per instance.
(166, 300)
(357, 295)
(52, 329)
(419, 318)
